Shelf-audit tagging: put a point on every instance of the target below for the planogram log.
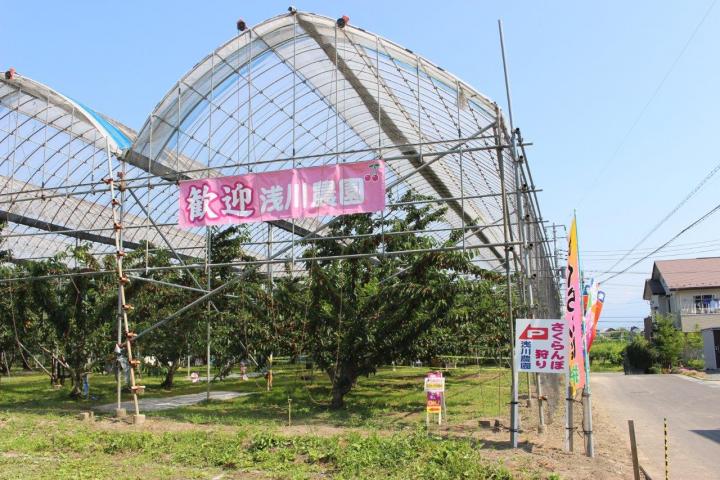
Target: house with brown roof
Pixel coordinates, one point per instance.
(689, 291)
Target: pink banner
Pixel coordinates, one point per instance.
(339, 189)
(574, 313)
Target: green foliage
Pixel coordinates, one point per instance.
(78, 309)
(19, 319)
(345, 456)
(607, 351)
(666, 350)
(349, 316)
(153, 302)
(247, 436)
(639, 355)
(476, 322)
(696, 364)
(367, 312)
(694, 340)
(668, 342)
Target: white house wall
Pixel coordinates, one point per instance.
(709, 349)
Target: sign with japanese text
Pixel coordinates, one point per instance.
(541, 345)
(434, 389)
(337, 189)
(434, 403)
(434, 384)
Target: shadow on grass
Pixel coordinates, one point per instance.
(389, 399)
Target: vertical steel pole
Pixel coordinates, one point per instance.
(586, 396)
(540, 399)
(120, 314)
(587, 422)
(569, 419)
(513, 149)
(568, 389)
(209, 287)
(527, 289)
(133, 364)
(294, 94)
(177, 143)
(119, 237)
(514, 419)
(209, 229)
(516, 163)
(119, 342)
(249, 82)
(269, 252)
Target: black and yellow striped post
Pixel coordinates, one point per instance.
(667, 471)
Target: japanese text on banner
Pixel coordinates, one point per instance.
(339, 189)
(574, 312)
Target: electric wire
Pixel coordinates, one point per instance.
(681, 232)
(672, 212)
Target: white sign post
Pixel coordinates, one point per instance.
(541, 345)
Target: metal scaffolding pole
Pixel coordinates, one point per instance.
(514, 413)
(208, 271)
(123, 306)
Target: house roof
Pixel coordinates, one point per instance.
(653, 287)
(688, 273)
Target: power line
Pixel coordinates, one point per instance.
(650, 100)
(693, 224)
(671, 213)
(680, 246)
(665, 255)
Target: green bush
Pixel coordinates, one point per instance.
(696, 364)
(668, 342)
(608, 352)
(639, 355)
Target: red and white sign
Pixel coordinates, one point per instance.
(338, 189)
(541, 345)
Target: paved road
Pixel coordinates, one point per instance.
(155, 404)
(692, 408)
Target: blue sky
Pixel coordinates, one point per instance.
(582, 75)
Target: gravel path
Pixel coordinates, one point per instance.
(166, 403)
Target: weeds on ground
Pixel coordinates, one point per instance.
(67, 449)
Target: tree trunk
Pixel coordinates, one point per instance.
(342, 384)
(225, 370)
(26, 365)
(4, 367)
(170, 375)
(76, 377)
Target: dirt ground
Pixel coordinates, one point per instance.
(612, 456)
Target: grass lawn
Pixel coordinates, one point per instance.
(380, 433)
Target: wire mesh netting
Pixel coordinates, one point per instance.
(293, 91)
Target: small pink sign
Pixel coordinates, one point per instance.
(339, 189)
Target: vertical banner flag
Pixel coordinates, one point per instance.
(597, 299)
(541, 345)
(338, 189)
(574, 312)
